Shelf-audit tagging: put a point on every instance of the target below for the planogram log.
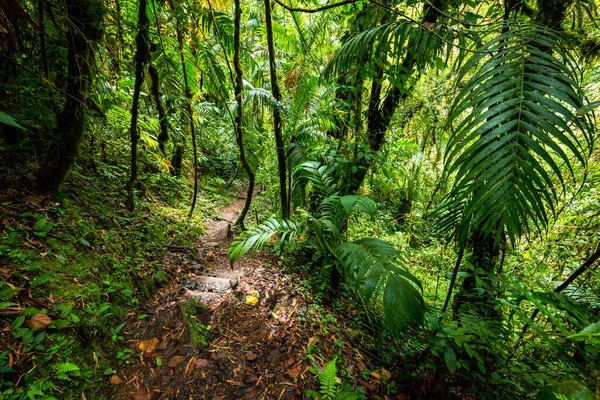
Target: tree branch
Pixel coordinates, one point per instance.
(314, 10)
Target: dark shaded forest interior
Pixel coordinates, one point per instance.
(327, 200)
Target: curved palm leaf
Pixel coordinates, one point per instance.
(374, 264)
(396, 41)
(258, 236)
(516, 134)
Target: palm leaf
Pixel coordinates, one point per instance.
(257, 237)
(516, 134)
(374, 265)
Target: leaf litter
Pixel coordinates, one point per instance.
(255, 345)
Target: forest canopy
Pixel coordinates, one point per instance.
(421, 174)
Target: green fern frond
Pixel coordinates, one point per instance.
(65, 368)
(328, 380)
(257, 237)
(7, 293)
(516, 134)
(396, 41)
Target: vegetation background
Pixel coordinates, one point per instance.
(430, 165)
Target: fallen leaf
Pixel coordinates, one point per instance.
(312, 341)
(175, 361)
(39, 321)
(385, 373)
(115, 380)
(202, 363)
(361, 366)
(294, 372)
(250, 356)
(375, 376)
(140, 394)
(191, 366)
(148, 346)
(251, 300)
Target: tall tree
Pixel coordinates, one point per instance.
(277, 122)
(142, 57)
(85, 28)
(239, 117)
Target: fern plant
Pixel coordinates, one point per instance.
(330, 384)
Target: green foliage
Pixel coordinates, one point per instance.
(515, 122)
(330, 384)
(373, 264)
(258, 236)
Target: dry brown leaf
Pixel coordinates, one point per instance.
(250, 356)
(191, 366)
(175, 361)
(375, 376)
(115, 380)
(40, 321)
(140, 394)
(294, 372)
(385, 373)
(312, 341)
(202, 363)
(148, 346)
(361, 366)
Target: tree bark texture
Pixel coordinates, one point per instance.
(70, 122)
(277, 122)
(163, 136)
(239, 117)
(142, 56)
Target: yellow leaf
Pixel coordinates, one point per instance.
(191, 366)
(251, 300)
(148, 346)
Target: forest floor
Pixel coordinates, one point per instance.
(95, 308)
(225, 333)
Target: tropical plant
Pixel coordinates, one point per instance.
(516, 133)
(375, 266)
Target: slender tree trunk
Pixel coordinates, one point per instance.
(239, 117)
(142, 56)
(381, 111)
(163, 136)
(70, 122)
(190, 112)
(120, 41)
(43, 39)
(281, 162)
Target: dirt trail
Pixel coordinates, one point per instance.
(254, 349)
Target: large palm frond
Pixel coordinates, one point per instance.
(375, 266)
(517, 134)
(258, 236)
(394, 42)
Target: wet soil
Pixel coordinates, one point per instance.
(218, 332)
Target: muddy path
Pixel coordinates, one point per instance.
(217, 332)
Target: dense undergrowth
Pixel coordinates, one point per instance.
(79, 265)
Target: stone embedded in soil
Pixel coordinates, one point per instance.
(205, 297)
(211, 284)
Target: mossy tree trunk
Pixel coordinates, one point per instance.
(142, 56)
(277, 122)
(85, 28)
(239, 117)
